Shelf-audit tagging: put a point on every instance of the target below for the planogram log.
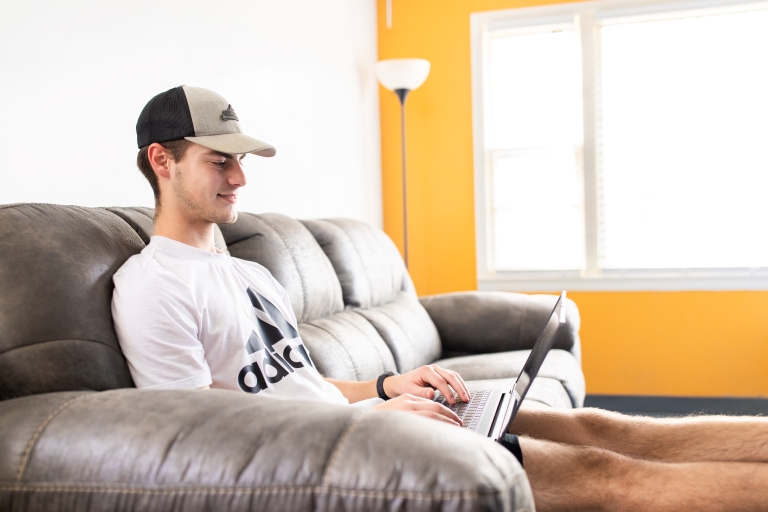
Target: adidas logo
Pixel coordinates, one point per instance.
(270, 364)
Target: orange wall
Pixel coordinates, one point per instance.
(675, 343)
(665, 343)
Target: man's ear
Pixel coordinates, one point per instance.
(160, 160)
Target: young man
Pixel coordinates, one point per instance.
(185, 313)
(190, 317)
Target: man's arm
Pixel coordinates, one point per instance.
(356, 391)
(412, 391)
(156, 321)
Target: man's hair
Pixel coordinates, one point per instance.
(177, 149)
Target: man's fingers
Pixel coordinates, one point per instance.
(438, 412)
(442, 411)
(417, 404)
(422, 406)
(449, 413)
(437, 381)
(438, 417)
(455, 381)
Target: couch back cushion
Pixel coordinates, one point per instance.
(376, 285)
(285, 247)
(56, 267)
(370, 269)
(342, 344)
(407, 330)
(346, 346)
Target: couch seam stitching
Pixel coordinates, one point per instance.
(338, 447)
(415, 495)
(33, 440)
(283, 489)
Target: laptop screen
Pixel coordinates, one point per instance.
(540, 350)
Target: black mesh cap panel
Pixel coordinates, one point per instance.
(166, 117)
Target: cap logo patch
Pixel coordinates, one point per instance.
(229, 114)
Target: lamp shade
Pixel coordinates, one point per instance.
(407, 74)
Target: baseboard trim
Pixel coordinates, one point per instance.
(678, 406)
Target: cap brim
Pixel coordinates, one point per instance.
(235, 143)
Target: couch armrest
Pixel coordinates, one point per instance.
(481, 322)
(222, 450)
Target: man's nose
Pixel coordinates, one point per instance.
(237, 176)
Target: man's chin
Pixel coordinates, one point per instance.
(231, 219)
(226, 218)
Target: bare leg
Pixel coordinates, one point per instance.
(565, 477)
(692, 439)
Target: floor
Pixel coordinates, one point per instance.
(665, 406)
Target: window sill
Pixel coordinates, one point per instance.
(628, 280)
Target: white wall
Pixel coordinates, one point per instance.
(74, 76)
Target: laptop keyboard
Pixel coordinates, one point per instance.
(469, 412)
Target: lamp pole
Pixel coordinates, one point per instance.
(403, 76)
(402, 94)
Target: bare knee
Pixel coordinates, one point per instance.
(598, 463)
(603, 428)
(613, 477)
(584, 477)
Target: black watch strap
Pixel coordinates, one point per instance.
(380, 384)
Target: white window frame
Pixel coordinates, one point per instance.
(582, 14)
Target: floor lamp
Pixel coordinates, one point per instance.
(402, 76)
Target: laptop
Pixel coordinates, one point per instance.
(490, 412)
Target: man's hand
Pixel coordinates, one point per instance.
(412, 392)
(423, 381)
(420, 406)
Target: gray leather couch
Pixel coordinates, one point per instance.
(75, 435)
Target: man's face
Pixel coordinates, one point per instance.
(205, 184)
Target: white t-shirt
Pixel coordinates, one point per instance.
(188, 318)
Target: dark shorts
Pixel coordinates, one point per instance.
(512, 443)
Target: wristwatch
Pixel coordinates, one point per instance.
(380, 384)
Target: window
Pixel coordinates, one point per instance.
(622, 145)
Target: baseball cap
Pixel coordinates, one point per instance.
(197, 115)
